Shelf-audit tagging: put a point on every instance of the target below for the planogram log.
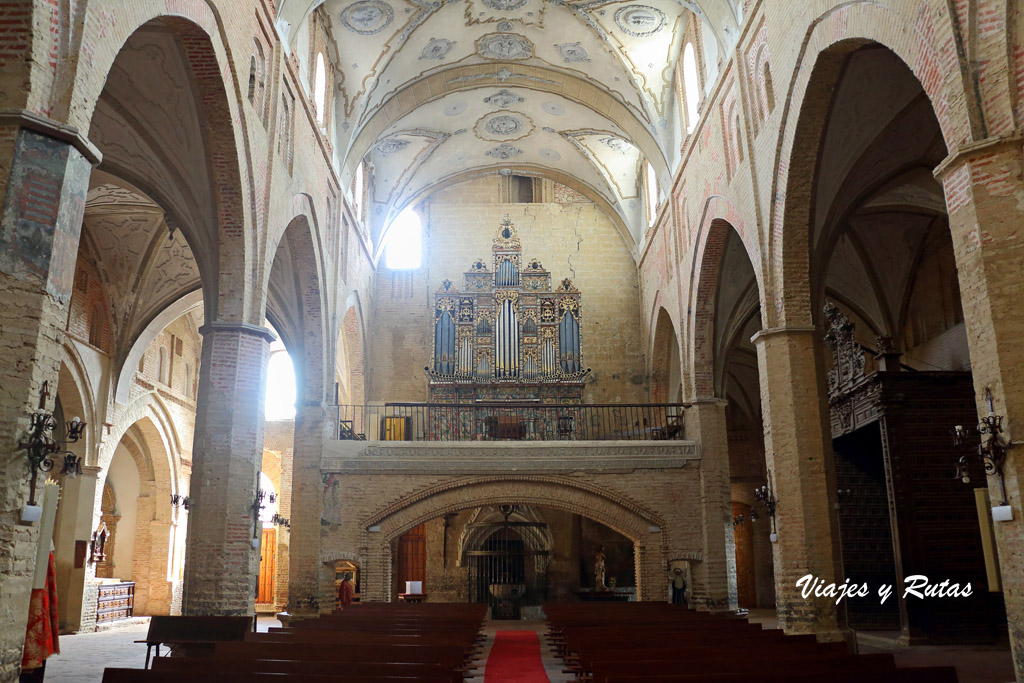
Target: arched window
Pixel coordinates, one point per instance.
(691, 87)
(769, 89)
(96, 326)
(162, 369)
(252, 79)
(319, 88)
(736, 135)
(357, 191)
(403, 250)
(651, 181)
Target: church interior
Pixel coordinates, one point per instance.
(619, 329)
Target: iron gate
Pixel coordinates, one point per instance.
(506, 574)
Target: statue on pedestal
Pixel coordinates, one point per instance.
(599, 570)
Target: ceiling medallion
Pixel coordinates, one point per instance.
(504, 5)
(391, 145)
(640, 21)
(437, 48)
(367, 17)
(502, 99)
(573, 52)
(504, 151)
(504, 46)
(503, 125)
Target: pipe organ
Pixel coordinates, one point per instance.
(507, 336)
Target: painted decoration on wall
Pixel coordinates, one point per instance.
(502, 99)
(504, 151)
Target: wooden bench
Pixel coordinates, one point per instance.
(195, 634)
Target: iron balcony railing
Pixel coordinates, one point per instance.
(511, 422)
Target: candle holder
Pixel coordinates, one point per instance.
(766, 495)
(41, 448)
(991, 451)
(179, 500)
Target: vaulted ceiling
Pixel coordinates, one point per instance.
(581, 91)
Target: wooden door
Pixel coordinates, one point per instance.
(743, 535)
(411, 562)
(268, 549)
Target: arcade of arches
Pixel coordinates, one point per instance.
(669, 253)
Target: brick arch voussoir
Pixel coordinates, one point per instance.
(720, 218)
(924, 43)
(612, 509)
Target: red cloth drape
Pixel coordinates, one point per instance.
(41, 636)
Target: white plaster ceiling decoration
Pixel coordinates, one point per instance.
(397, 156)
(504, 151)
(525, 12)
(573, 52)
(503, 126)
(367, 17)
(640, 21)
(503, 99)
(504, 46)
(618, 159)
(437, 48)
(414, 65)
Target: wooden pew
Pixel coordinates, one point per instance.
(194, 634)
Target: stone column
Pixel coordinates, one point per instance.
(74, 527)
(44, 176)
(799, 460)
(984, 188)
(312, 428)
(220, 560)
(713, 590)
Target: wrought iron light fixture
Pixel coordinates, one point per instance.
(766, 495)
(742, 519)
(991, 451)
(256, 507)
(178, 500)
(278, 520)
(40, 447)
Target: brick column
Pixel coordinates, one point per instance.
(985, 200)
(44, 175)
(713, 587)
(799, 460)
(312, 428)
(220, 561)
(75, 525)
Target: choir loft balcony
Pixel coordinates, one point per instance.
(501, 439)
(519, 421)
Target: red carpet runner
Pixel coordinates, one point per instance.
(515, 658)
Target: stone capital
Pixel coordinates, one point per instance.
(772, 331)
(244, 328)
(971, 150)
(52, 129)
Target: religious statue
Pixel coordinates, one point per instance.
(678, 586)
(599, 569)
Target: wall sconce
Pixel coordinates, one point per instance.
(40, 446)
(991, 451)
(257, 507)
(766, 495)
(742, 519)
(278, 520)
(178, 500)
